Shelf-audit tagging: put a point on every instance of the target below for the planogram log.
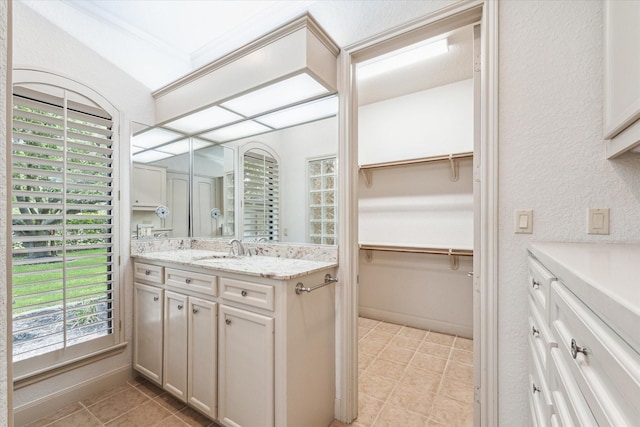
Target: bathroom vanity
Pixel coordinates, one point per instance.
(231, 336)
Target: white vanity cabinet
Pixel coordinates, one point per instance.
(147, 331)
(245, 350)
(584, 343)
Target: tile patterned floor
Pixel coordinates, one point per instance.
(137, 403)
(411, 377)
(407, 377)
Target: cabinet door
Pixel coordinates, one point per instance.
(202, 366)
(175, 344)
(245, 368)
(147, 331)
(149, 185)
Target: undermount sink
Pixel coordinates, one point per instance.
(214, 255)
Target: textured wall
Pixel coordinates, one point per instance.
(552, 158)
(4, 60)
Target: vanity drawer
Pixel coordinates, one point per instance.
(253, 294)
(608, 375)
(539, 283)
(568, 403)
(541, 338)
(148, 272)
(196, 282)
(540, 396)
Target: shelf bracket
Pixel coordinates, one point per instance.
(454, 168)
(453, 260)
(368, 177)
(368, 255)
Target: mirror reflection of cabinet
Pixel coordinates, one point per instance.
(206, 196)
(149, 188)
(178, 203)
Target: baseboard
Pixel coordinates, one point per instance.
(46, 405)
(465, 331)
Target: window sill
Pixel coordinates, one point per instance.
(51, 371)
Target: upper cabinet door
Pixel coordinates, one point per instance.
(621, 71)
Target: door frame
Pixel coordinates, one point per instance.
(485, 208)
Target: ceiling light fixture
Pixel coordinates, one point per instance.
(277, 95)
(310, 111)
(401, 58)
(154, 137)
(237, 131)
(209, 118)
(150, 156)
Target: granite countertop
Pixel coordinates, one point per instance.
(262, 266)
(606, 277)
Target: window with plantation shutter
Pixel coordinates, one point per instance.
(261, 196)
(63, 228)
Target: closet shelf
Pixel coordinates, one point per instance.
(452, 158)
(452, 253)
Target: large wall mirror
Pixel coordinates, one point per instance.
(276, 186)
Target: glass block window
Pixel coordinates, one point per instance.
(322, 201)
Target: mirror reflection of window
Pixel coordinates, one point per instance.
(322, 201)
(261, 196)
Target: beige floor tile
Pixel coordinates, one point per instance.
(389, 328)
(441, 339)
(459, 372)
(117, 404)
(428, 362)
(79, 418)
(405, 343)
(367, 323)
(149, 389)
(370, 347)
(375, 386)
(146, 415)
(452, 413)
(364, 360)
(172, 421)
(463, 344)
(380, 336)
(362, 332)
(462, 356)
(434, 349)
(396, 354)
(456, 390)
(105, 394)
(415, 398)
(170, 403)
(193, 418)
(368, 409)
(413, 333)
(336, 423)
(60, 413)
(387, 368)
(415, 376)
(395, 416)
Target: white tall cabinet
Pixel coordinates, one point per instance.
(147, 354)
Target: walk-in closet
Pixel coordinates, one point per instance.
(416, 133)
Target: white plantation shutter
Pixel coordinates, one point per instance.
(62, 227)
(261, 196)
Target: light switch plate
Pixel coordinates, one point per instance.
(598, 221)
(524, 221)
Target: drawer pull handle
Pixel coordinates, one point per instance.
(534, 283)
(180, 306)
(147, 272)
(156, 298)
(535, 389)
(575, 349)
(195, 310)
(227, 321)
(243, 293)
(187, 280)
(535, 332)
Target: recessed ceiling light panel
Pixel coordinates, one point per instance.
(276, 95)
(314, 110)
(210, 118)
(150, 156)
(154, 137)
(237, 131)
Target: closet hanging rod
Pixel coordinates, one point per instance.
(436, 251)
(467, 155)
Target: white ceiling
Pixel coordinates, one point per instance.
(159, 41)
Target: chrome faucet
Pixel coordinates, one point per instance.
(239, 247)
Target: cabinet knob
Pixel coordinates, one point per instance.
(195, 310)
(227, 321)
(187, 280)
(147, 272)
(535, 332)
(243, 293)
(535, 389)
(156, 298)
(534, 283)
(180, 306)
(575, 349)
